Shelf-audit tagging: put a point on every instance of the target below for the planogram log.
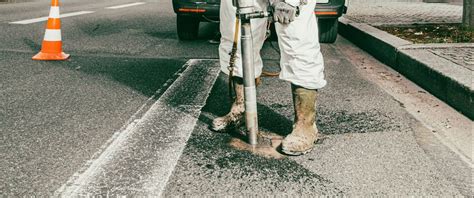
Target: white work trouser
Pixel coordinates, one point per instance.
(301, 59)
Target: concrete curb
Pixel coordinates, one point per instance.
(431, 72)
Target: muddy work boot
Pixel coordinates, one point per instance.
(235, 117)
(304, 134)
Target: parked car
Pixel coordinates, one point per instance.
(191, 12)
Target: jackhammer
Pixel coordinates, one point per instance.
(245, 12)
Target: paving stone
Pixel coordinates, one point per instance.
(461, 56)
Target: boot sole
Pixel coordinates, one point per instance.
(292, 153)
(297, 153)
(223, 130)
(226, 128)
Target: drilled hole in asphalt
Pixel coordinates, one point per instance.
(219, 164)
(268, 144)
(217, 159)
(213, 157)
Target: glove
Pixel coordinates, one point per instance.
(283, 13)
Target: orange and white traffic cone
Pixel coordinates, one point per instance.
(52, 48)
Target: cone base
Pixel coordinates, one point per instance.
(51, 56)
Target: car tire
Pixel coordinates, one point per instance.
(328, 30)
(187, 27)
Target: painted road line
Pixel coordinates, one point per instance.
(146, 152)
(125, 5)
(36, 20)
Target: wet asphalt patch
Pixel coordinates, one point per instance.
(217, 167)
(210, 165)
(227, 159)
(339, 122)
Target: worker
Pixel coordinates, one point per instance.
(301, 64)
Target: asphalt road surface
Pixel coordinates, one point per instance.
(128, 114)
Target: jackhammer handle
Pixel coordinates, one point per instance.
(259, 14)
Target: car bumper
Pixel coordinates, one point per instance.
(211, 11)
(329, 11)
(198, 9)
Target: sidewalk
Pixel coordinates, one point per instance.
(445, 70)
(385, 13)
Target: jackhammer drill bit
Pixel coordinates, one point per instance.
(245, 11)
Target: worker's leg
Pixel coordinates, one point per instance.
(227, 28)
(302, 65)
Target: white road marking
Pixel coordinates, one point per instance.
(117, 138)
(125, 5)
(82, 182)
(36, 20)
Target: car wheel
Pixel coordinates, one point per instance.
(327, 30)
(188, 27)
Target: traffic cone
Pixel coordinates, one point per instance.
(52, 43)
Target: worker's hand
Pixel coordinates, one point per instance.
(283, 13)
